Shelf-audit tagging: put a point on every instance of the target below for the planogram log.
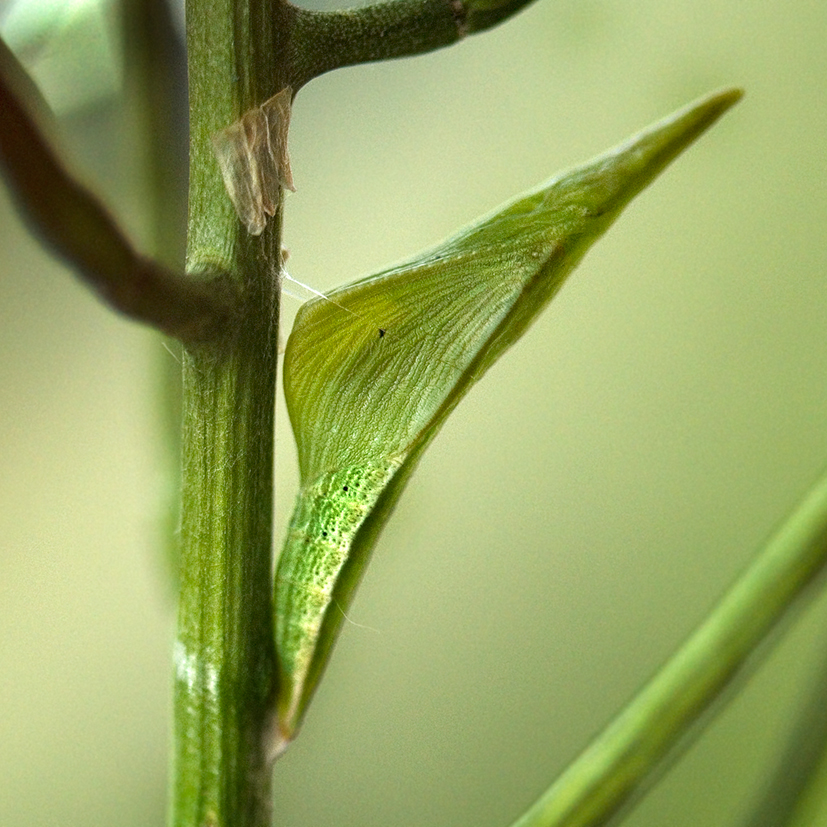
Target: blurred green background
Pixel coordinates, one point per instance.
(580, 512)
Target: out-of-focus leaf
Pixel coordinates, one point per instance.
(372, 371)
(70, 47)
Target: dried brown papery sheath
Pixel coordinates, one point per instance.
(252, 156)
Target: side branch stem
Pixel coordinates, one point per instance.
(328, 40)
(74, 224)
(622, 762)
(321, 41)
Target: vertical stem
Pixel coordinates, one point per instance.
(225, 677)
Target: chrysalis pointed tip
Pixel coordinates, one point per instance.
(277, 739)
(607, 183)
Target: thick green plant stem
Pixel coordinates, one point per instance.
(241, 53)
(224, 656)
(620, 764)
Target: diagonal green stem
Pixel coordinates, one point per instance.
(618, 766)
(810, 808)
(796, 791)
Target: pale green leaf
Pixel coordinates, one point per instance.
(372, 371)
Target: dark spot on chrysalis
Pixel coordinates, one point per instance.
(344, 488)
(324, 534)
(381, 332)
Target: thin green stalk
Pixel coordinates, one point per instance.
(225, 677)
(797, 780)
(621, 762)
(810, 808)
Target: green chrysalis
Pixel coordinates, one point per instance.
(371, 374)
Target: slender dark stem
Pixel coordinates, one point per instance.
(75, 226)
